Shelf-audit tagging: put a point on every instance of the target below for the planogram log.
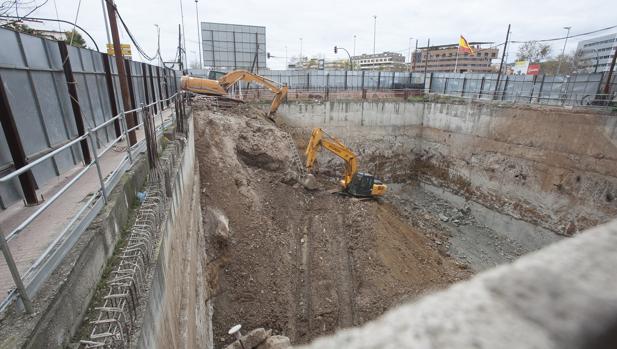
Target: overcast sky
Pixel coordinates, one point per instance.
(322, 24)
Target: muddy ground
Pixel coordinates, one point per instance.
(303, 263)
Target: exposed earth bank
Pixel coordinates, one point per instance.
(303, 263)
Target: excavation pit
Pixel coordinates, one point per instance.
(471, 186)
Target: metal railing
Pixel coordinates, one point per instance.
(595, 100)
(28, 284)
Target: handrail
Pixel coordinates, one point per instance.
(57, 194)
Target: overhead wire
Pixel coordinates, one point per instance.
(133, 40)
(35, 19)
(76, 16)
(568, 36)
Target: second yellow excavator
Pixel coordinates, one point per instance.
(219, 83)
(354, 183)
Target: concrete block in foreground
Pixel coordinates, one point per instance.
(564, 296)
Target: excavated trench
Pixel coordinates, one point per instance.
(307, 262)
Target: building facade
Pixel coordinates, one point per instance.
(595, 54)
(380, 61)
(233, 46)
(444, 59)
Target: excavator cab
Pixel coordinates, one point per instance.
(365, 185)
(215, 74)
(354, 183)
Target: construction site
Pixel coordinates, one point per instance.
(149, 205)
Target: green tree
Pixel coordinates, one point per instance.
(74, 38)
(570, 64)
(533, 52)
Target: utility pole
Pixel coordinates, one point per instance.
(183, 35)
(410, 53)
(563, 51)
(428, 52)
(415, 53)
(374, 32)
(198, 34)
(503, 55)
(124, 82)
(180, 48)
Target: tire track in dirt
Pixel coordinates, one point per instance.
(344, 281)
(302, 302)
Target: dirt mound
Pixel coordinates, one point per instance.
(303, 263)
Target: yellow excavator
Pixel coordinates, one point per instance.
(354, 183)
(219, 83)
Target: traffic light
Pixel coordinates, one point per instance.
(335, 49)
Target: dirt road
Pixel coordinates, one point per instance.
(302, 263)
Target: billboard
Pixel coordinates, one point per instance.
(520, 67)
(233, 46)
(533, 69)
(126, 50)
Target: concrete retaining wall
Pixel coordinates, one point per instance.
(561, 297)
(175, 311)
(553, 167)
(178, 314)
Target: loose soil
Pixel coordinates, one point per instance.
(303, 263)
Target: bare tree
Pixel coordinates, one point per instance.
(533, 52)
(19, 8)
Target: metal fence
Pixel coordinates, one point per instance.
(580, 89)
(61, 112)
(33, 72)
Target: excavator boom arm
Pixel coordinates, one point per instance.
(280, 91)
(222, 85)
(336, 147)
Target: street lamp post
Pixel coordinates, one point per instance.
(198, 34)
(563, 50)
(410, 38)
(300, 49)
(374, 32)
(354, 45)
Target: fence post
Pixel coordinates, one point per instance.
(541, 88)
(430, 83)
(505, 87)
(533, 85)
(154, 99)
(110, 91)
(392, 85)
(146, 92)
(16, 148)
(363, 90)
(327, 86)
(308, 80)
(481, 87)
(378, 79)
(71, 85)
(345, 80)
(131, 116)
(445, 86)
(463, 87)
(158, 80)
(410, 80)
